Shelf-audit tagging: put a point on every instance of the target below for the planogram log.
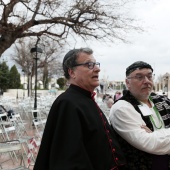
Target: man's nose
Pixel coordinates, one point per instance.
(97, 68)
(146, 79)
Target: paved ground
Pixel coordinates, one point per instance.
(9, 164)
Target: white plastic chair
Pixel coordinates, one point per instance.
(39, 122)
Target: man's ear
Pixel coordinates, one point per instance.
(127, 83)
(71, 73)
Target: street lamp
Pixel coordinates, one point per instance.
(24, 84)
(36, 50)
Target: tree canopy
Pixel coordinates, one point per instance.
(14, 77)
(9, 78)
(60, 19)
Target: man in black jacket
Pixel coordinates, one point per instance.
(77, 135)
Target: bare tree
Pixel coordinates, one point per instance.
(52, 51)
(23, 58)
(49, 57)
(58, 19)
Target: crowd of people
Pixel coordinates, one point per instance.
(78, 136)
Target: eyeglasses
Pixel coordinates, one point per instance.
(142, 77)
(90, 65)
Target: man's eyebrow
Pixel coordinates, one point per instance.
(143, 73)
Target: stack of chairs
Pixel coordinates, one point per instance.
(17, 127)
(13, 128)
(7, 150)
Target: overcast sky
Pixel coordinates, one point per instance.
(152, 46)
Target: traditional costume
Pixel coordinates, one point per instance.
(138, 159)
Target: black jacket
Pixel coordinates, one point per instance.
(77, 136)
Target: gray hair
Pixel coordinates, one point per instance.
(71, 57)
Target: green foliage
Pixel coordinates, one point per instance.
(9, 79)
(14, 78)
(61, 82)
(4, 76)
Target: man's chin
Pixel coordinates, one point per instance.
(147, 94)
(96, 83)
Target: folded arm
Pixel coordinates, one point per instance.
(127, 123)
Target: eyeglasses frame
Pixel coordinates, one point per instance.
(143, 77)
(87, 64)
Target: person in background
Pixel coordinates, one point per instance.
(148, 147)
(77, 135)
(109, 102)
(105, 97)
(106, 104)
(117, 96)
